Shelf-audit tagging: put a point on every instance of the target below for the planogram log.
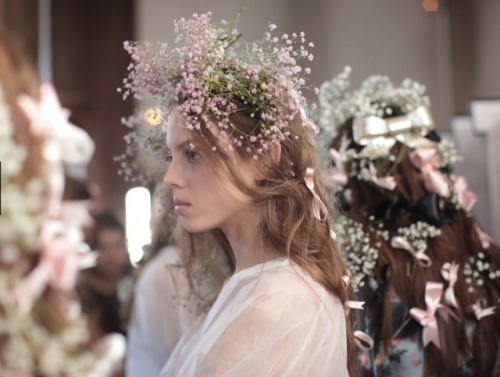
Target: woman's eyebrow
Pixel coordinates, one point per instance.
(185, 145)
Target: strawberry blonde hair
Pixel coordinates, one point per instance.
(285, 204)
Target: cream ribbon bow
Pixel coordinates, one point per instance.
(408, 129)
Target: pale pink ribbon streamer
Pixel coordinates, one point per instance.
(65, 143)
(481, 311)
(338, 174)
(49, 120)
(449, 272)
(485, 238)
(427, 318)
(401, 243)
(58, 266)
(319, 209)
(359, 335)
(427, 160)
(466, 198)
(389, 183)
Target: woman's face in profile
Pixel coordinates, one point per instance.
(203, 199)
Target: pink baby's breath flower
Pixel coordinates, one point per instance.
(204, 72)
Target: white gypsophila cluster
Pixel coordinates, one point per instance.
(358, 251)
(418, 233)
(374, 98)
(477, 271)
(448, 154)
(20, 203)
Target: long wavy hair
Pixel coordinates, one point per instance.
(458, 241)
(287, 222)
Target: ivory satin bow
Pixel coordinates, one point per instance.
(408, 129)
(427, 318)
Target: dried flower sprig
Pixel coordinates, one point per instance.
(209, 78)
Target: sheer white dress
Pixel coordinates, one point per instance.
(164, 309)
(271, 319)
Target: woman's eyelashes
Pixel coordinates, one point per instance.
(190, 154)
(193, 156)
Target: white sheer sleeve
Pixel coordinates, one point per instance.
(158, 318)
(275, 321)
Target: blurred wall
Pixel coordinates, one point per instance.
(392, 37)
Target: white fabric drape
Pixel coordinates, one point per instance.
(271, 319)
(164, 309)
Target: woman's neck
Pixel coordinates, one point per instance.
(245, 243)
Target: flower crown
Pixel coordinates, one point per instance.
(377, 96)
(210, 78)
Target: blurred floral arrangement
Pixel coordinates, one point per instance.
(42, 331)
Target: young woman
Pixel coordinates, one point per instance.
(242, 164)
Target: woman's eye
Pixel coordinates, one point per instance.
(193, 155)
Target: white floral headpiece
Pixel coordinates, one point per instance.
(377, 96)
(210, 78)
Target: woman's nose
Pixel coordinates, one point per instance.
(172, 176)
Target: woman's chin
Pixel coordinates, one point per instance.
(190, 227)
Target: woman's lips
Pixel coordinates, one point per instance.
(181, 207)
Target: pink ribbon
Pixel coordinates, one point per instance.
(466, 198)
(449, 272)
(359, 335)
(485, 238)
(319, 209)
(49, 120)
(339, 175)
(401, 243)
(481, 311)
(427, 160)
(58, 266)
(363, 340)
(389, 183)
(427, 318)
